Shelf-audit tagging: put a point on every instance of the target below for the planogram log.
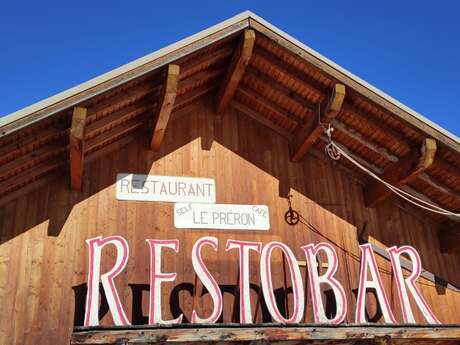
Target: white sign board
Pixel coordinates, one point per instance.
(165, 188)
(221, 216)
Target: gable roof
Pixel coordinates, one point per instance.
(285, 82)
(163, 56)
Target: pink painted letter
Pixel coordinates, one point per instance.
(96, 245)
(315, 282)
(402, 282)
(207, 279)
(157, 277)
(243, 249)
(368, 261)
(267, 284)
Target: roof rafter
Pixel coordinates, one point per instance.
(401, 173)
(115, 132)
(362, 140)
(76, 147)
(274, 85)
(268, 104)
(290, 72)
(308, 135)
(240, 61)
(165, 106)
(185, 99)
(261, 119)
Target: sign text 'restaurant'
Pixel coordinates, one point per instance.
(165, 188)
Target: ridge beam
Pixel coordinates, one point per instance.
(165, 106)
(402, 173)
(308, 135)
(76, 147)
(235, 72)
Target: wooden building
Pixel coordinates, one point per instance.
(247, 106)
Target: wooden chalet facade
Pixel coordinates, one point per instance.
(245, 105)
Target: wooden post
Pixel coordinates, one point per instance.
(401, 173)
(165, 106)
(236, 70)
(76, 147)
(308, 135)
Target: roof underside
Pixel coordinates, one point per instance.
(282, 86)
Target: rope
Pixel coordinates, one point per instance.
(334, 151)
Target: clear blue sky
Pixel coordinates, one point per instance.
(409, 49)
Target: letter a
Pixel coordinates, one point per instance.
(368, 261)
(96, 245)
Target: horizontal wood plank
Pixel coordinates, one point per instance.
(318, 334)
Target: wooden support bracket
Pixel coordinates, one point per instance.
(76, 147)
(309, 134)
(165, 106)
(235, 72)
(401, 173)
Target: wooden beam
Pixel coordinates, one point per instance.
(419, 194)
(235, 72)
(117, 118)
(188, 97)
(401, 173)
(165, 106)
(372, 167)
(449, 238)
(200, 78)
(115, 133)
(273, 334)
(288, 73)
(269, 82)
(360, 138)
(117, 144)
(440, 186)
(76, 147)
(131, 71)
(375, 97)
(32, 142)
(266, 103)
(308, 135)
(261, 119)
(25, 177)
(29, 160)
(123, 100)
(196, 65)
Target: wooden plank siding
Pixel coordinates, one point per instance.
(43, 255)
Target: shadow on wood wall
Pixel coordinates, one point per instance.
(54, 202)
